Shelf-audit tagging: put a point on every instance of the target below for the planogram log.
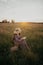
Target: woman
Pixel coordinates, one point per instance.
(19, 41)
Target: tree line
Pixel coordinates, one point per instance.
(6, 21)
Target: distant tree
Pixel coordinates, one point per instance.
(8, 21)
(4, 21)
(12, 21)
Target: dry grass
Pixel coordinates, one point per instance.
(34, 34)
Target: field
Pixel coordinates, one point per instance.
(34, 34)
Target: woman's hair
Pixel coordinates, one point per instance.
(19, 33)
(14, 37)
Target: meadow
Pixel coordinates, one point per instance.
(34, 34)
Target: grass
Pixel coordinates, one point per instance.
(34, 34)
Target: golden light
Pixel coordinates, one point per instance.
(24, 23)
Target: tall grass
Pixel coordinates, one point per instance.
(34, 34)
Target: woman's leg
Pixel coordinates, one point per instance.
(14, 48)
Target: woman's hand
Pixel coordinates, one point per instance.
(23, 37)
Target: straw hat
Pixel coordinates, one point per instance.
(17, 31)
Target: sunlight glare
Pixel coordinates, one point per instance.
(24, 23)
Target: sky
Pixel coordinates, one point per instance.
(22, 10)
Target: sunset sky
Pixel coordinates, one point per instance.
(22, 10)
